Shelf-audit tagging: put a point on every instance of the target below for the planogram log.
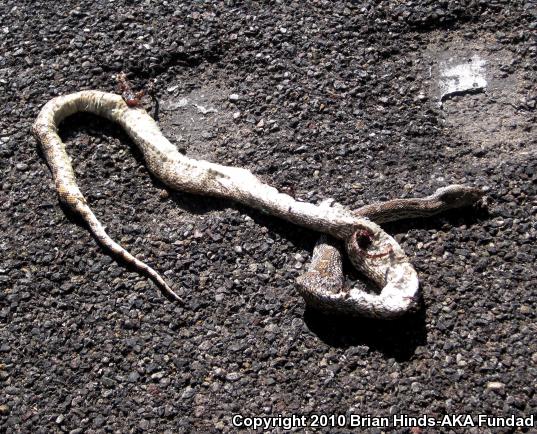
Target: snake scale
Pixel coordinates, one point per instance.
(371, 250)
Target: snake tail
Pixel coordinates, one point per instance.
(45, 130)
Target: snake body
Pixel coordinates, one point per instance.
(322, 286)
(392, 271)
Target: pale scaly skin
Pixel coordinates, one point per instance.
(202, 177)
(322, 286)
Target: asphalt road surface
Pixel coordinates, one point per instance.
(319, 99)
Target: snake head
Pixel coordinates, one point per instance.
(455, 196)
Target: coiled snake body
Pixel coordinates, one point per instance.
(372, 251)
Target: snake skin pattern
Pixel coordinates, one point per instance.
(381, 260)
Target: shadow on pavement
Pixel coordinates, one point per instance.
(396, 338)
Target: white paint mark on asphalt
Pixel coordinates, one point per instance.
(462, 77)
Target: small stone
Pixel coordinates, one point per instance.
(339, 85)
(198, 412)
(188, 393)
(233, 97)
(268, 266)
(233, 376)
(495, 385)
(219, 373)
(164, 194)
(438, 250)
(157, 375)
(524, 309)
(169, 410)
(98, 421)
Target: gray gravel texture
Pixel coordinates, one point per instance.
(321, 99)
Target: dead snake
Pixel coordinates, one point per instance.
(371, 249)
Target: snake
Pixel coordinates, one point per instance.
(371, 250)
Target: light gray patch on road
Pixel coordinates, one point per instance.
(484, 96)
(458, 77)
(199, 121)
